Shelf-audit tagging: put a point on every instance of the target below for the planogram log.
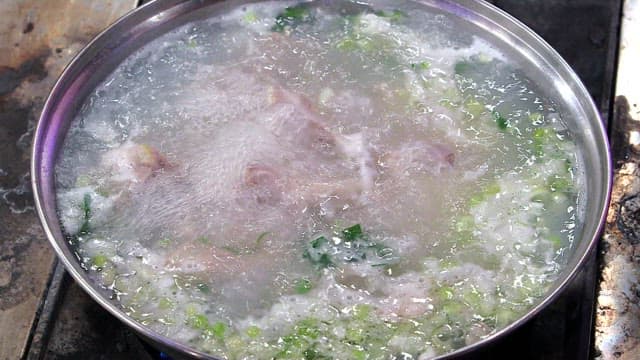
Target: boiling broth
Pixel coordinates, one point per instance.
(321, 180)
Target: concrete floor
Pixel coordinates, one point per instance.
(37, 39)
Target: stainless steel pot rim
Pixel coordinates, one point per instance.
(159, 10)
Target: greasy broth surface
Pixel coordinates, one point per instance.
(320, 182)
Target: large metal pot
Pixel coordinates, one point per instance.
(103, 54)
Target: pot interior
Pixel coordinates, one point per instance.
(535, 60)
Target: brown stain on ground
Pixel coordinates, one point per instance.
(37, 39)
(15, 190)
(32, 69)
(25, 257)
(28, 28)
(51, 24)
(618, 310)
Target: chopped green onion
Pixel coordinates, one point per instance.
(317, 253)
(218, 330)
(474, 107)
(559, 184)
(347, 44)
(536, 118)
(362, 43)
(352, 233)
(465, 223)
(291, 17)
(358, 355)
(99, 261)
(423, 65)
(102, 191)
(83, 180)
(232, 250)
(253, 332)
(500, 120)
(318, 242)
(204, 288)
(351, 246)
(250, 17)
(261, 238)
(492, 189)
(393, 16)
(198, 321)
(541, 137)
(355, 335)
(324, 261)
(312, 354)
(361, 311)
(556, 240)
(308, 328)
(86, 214)
(445, 293)
(461, 67)
(302, 286)
(204, 240)
(165, 303)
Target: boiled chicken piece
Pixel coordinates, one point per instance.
(296, 120)
(217, 263)
(418, 157)
(133, 163)
(262, 184)
(408, 299)
(269, 187)
(286, 166)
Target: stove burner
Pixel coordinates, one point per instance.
(585, 33)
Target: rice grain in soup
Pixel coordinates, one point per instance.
(321, 180)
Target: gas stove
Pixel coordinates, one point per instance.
(71, 326)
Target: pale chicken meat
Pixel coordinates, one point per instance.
(297, 168)
(133, 163)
